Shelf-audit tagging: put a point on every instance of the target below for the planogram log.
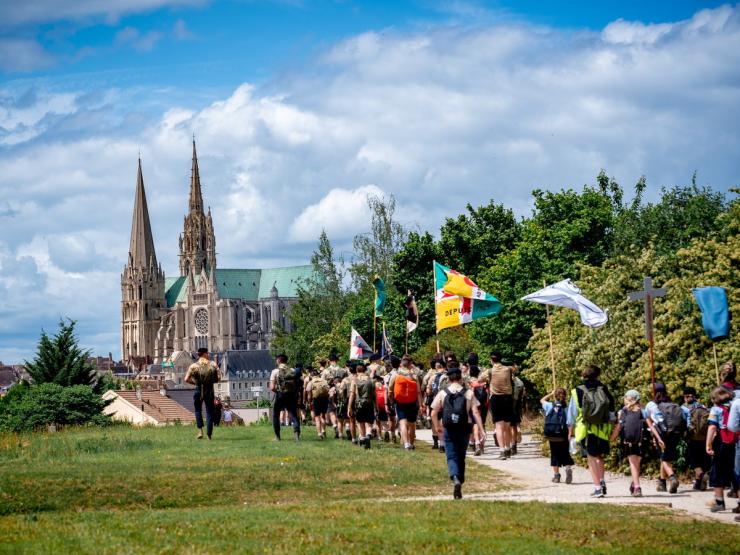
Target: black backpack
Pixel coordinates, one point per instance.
(556, 427)
(435, 383)
(633, 426)
(455, 409)
(673, 420)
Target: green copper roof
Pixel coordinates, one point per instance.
(285, 279)
(250, 285)
(175, 290)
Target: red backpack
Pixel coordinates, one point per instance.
(380, 396)
(725, 433)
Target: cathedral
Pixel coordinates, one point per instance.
(166, 319)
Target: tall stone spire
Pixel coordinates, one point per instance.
(196, 197)
(141, 248)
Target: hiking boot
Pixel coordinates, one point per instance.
(200, 435)
(513, 449)
(732, 493)
(321, 436)
(457, 488)
(395, 439)
(736, 509)
(348, 434)
(661, 485)
(632, 488)
(597, 493)
(435, 439)
(637, 492)
(674, 484)
(603, 487)
(386, 437)
(478, 451)
(556, 479)
(718, 506)
(697, 485)
(502, 456)
(367, 442)
(704, 481)
(569, 475)
(441, 448)
(336, 433)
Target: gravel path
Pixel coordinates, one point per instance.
(531, 473)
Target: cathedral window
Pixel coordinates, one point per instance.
(201, 320)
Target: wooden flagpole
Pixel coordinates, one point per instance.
(552, 349)
(375, 325)
(716, 364)
(434, 292)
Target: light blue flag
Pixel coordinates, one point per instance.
(715, 315)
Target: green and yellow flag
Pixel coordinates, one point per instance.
(379, 296)
(458, 300)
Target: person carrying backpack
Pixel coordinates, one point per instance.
(203, 374)
(362, 403)
(589, 421)
(318, 399)
(632, 430)
(284, 384)
(556, 433)
(480, 392)
(502, 403)
(518, 392)
(404, 395)
(733, 424)
(457, 404)
(431, 384)
(671, 421)
(698, 423)
(721, 444)
(381, 413)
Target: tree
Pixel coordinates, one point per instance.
(60, 360)
(374, 251)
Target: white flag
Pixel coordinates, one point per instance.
(358, 348)
(565, 293)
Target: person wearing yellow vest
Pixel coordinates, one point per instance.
(590, 416)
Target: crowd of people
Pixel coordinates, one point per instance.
(385, 399)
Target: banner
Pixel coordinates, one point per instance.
(385, 346)
(358, 347)
(412, 313)
(455, 310)
(379, 297)
(566, 294)
(715, 314)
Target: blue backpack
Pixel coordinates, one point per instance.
(556, 426)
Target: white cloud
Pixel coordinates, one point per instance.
(341, 212)
(438, 118)
(181, 32)
(130, 36)
(21, 54)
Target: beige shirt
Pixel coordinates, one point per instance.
(470, 399)
(500, 380)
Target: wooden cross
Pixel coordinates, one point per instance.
(648, 294)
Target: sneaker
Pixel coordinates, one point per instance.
(717, 507)
(674, 484)
(477, 452)
(661, 485)
(457, 488)
(597, 493)
(637, 492)
(569, 475)
(556, 479)
(502, 456)
(407, 447)
(603, 487)
(632, 488)
(200, 435)
(355, 441)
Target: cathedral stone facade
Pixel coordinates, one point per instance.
(165, 318)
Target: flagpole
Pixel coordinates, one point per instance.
(552, 348)
(434, 292)
(716, 364)
(406, 348)
(375, 321)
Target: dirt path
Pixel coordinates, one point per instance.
(531, 473)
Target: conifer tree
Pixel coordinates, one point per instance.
(60, 360)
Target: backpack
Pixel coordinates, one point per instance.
(673, 420)
(285, 381)
(480, 392)
(633, 425)
(405, 389)
(595, 405)
(365, 393)
(725, 434)
(380, 397)
(556, 423)
(319, 388)
(517, 389)
(455, 409)
(435, 383)
(699, 423)
(206, 374)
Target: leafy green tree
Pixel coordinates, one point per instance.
(60, 360)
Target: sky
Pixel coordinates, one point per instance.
(300, 109)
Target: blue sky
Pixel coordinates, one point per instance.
(303, 108)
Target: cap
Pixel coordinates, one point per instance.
(633, 393)
(202, 351)
(659, 386)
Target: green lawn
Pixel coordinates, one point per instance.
(124, 490)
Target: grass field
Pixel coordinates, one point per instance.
(124, 490)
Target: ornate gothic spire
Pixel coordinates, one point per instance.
(141, 248)
(196, 197)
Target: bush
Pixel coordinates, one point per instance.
(27, 408)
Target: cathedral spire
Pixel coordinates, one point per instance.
(196, 197)
(141, 248)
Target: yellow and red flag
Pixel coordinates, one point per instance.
(458, 300)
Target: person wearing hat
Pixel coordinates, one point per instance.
(671, 422)
(457, 405)
(631, 428)
(376, 367)
(203, 374)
